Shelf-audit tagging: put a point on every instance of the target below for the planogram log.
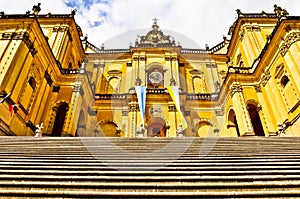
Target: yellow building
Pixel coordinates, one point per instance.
(246, 85)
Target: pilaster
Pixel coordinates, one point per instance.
(239, 105)
(74, 111)
(210, 81)
(125, 120)
(175, 71)
(169, 73)
(132, 120)
(99, 75)
(134, 70)
(172, 120)
(265, 113)
(142, 69)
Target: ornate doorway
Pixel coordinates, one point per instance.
(157, 127)
(255, 119)
(61, 112)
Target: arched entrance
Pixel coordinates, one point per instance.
(157, 127)
(107, 129)
(255, 119)
(61, 112)
(232, 125)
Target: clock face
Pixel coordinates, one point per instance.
(155, 77)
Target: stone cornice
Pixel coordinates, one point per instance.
(20, 36)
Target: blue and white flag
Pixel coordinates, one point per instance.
(174, 93)
(141, 95)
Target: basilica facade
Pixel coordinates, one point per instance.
(52, 76)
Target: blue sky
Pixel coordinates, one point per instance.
(199, 20)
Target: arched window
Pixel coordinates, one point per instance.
(238, 58)
(113, 85)
(284, 81)
(232, 124)
(287, 88)
(239, 61)
(32, 83)
(199, 85)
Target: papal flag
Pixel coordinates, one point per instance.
(174, 93)
(141, 95)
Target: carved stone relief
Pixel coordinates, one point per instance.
(288, 41)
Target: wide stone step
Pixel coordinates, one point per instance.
(170, 188)
(151, 171)
(151, 178)
(256, 167)
(173, 165)
(150, 185)
(179, 161)
(152, 194)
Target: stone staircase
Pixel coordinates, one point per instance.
(64, 167)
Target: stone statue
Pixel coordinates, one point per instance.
(36, 9)
(180, 131)
(140, 131)
(279, 11)
(38, 131)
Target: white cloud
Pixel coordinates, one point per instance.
(201, 20)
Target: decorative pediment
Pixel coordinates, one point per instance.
(155, 37)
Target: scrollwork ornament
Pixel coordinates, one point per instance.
(288, 41)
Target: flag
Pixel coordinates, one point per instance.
(11, 109)
(174, 93)
(4, 98)
(141, 95)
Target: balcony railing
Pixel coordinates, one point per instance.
(110, 96)
(189, 96)
(156, 90)
(199, 96)
(239, 70)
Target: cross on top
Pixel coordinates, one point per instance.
(155, 20)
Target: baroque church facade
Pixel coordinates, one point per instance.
(51, 75)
